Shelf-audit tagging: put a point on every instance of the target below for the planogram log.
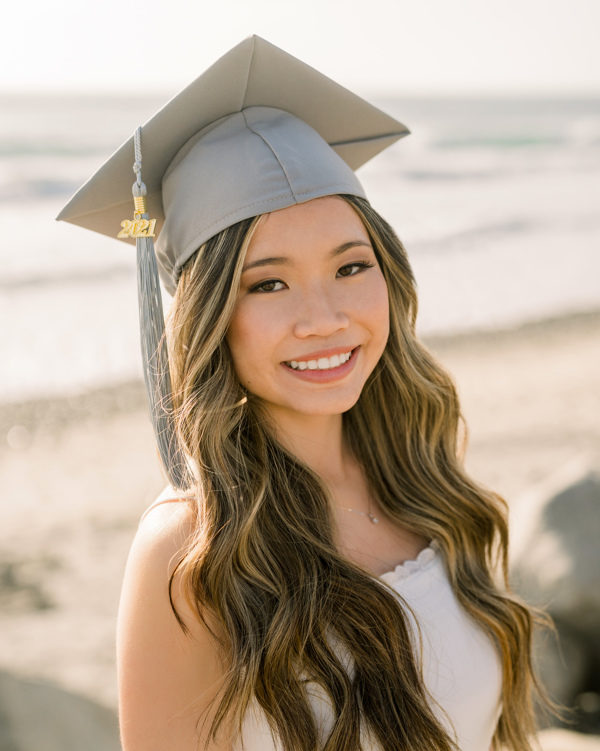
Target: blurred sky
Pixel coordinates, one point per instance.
(378, 46)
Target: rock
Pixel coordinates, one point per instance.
(44, 717)
(562, 663)
(556, 566)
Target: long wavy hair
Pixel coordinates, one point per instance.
(263, 562)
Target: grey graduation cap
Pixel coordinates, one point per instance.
(256, 132)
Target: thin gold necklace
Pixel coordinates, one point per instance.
(368, 514)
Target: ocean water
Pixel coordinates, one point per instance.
(496, 200)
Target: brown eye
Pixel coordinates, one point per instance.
(270, 285)
(351, 269)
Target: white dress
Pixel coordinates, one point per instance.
(461, 667)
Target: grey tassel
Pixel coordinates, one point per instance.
(154, 348)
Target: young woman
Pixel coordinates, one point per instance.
(331, 580)
(331, 515)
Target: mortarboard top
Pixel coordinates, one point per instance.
(255, 73)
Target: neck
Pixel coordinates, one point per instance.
(317, 440)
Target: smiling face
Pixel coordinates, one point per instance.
(311, 319)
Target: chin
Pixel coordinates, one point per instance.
(333, 401)
(323, 407)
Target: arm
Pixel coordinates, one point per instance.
(167, 679)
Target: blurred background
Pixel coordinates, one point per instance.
(496, 196)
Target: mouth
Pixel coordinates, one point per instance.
(322, 363)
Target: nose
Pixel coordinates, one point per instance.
(319, 314)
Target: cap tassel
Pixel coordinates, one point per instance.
(152, 327)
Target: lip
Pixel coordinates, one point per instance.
(325, 376)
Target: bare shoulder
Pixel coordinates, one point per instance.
(168, 678)
(168, 505)
(161, 540)
(166, 526)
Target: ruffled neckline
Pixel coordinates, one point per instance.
(409, 568)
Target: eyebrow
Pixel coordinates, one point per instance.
(280, 260)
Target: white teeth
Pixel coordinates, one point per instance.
(323, 363)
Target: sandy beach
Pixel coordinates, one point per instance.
(77, 473)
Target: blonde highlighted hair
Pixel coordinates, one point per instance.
(263, 560)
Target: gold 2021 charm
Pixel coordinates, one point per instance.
(137, 228)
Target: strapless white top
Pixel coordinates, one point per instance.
(461, 666)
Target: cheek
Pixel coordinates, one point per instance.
(373, 307)
(251, 338)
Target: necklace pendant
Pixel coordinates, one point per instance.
(374, 519)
